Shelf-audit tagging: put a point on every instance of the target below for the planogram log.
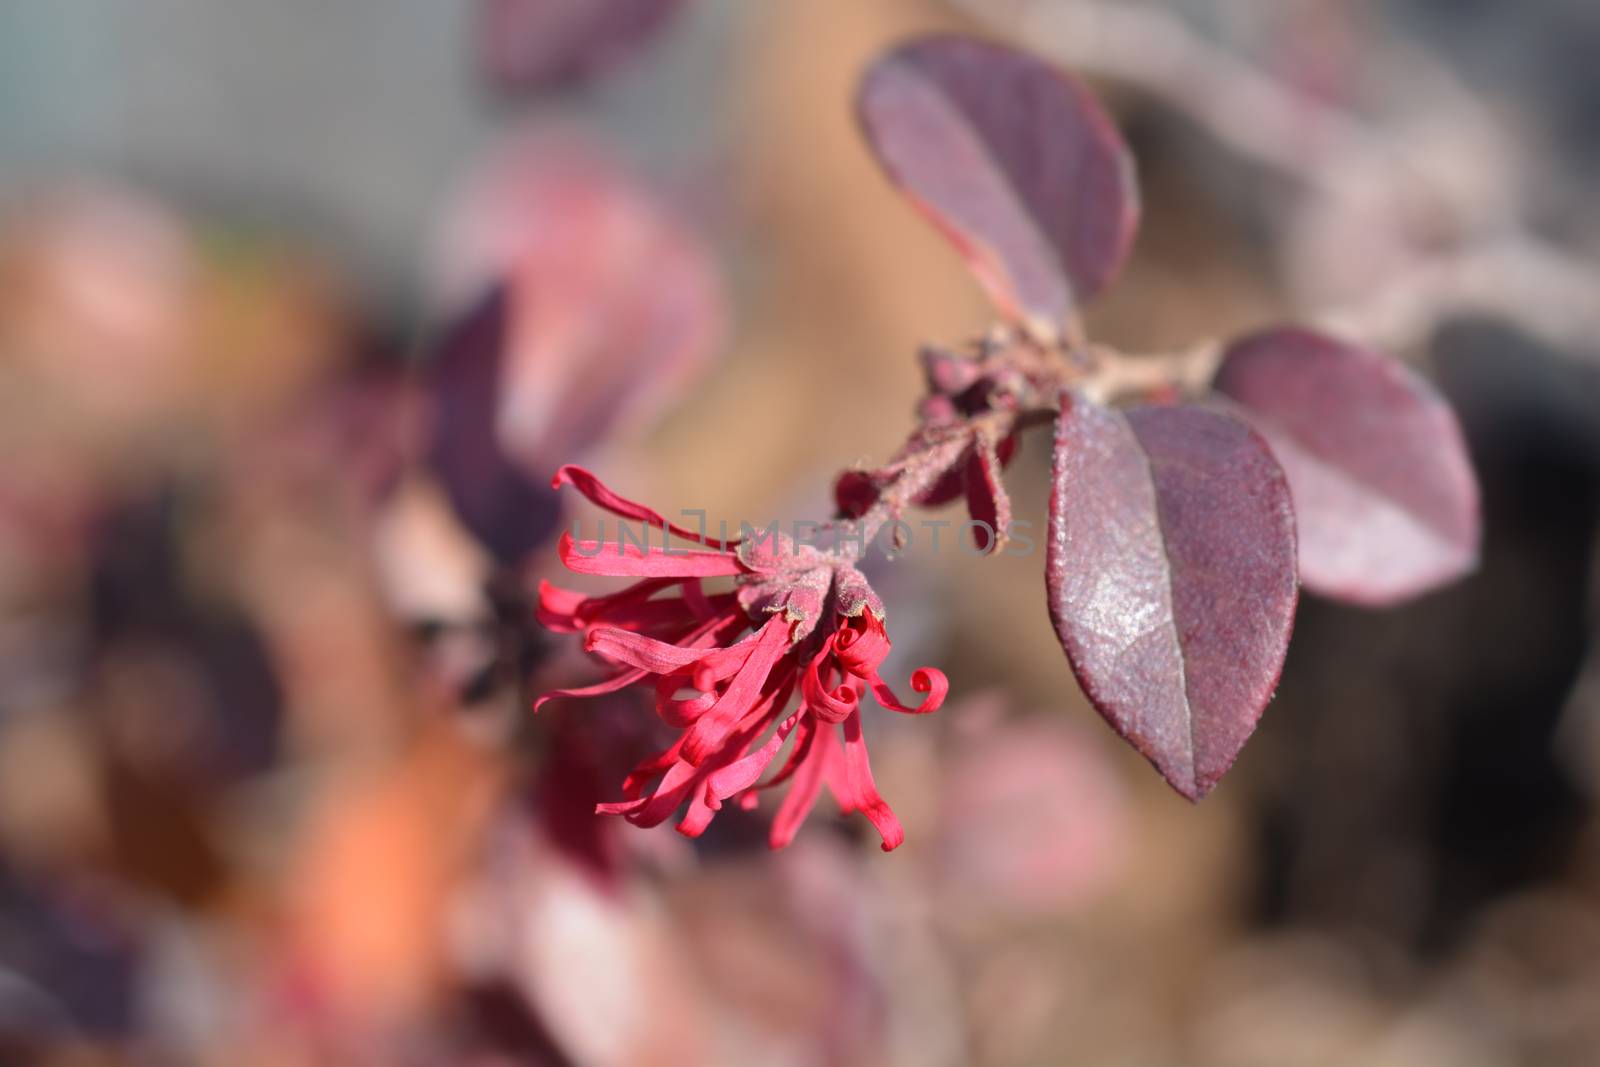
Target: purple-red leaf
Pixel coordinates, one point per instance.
(1016, 162)
(614, 306)
(527, 45)
(607, 310)
(510, 509)
(1383, 489)
(1171, 578)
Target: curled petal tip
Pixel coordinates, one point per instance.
(932, 681)
(570, 474)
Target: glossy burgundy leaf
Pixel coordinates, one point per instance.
(615, 307)
(1016, 162)
(1383, 488)
(506, 506)
(527, 45)
(1171, 578)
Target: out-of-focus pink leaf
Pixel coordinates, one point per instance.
(607, 309)
(529, 45)
(786, 945)
(1015, 161)
(614, 307)
(1034, 818)
(367, 420)
(1384, 492)
(1171, 578)
(506, 505)
(603, 972)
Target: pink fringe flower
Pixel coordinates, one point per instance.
(726, 666)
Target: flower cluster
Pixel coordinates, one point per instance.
(965, 438)
(727, 665)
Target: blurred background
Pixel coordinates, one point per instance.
(300, 305)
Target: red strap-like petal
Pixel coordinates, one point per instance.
(567, 611)
(695, 597)
(741, 774)
(827, 703)
(710, 732)
(861, 645)
(557, 608)
(647, 770)
(623, 559)
(703, 805)
(720, 664)
(610, 685)
(805, 732)
(680, 714)
(658, 807)
(602, 496)
(636, 650)
(929, 680)
(850, 778)
(814, 752)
